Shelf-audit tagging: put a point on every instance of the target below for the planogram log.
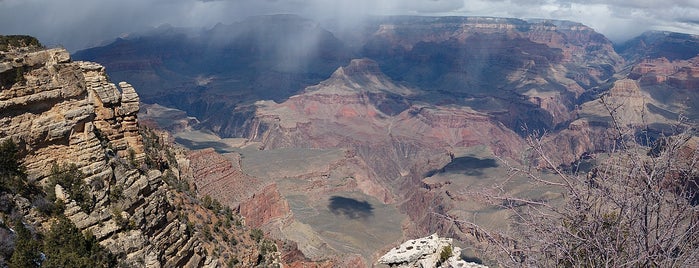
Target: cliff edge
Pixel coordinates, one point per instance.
(66, 117)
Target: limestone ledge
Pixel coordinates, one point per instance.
(65, 112)
(425, 252)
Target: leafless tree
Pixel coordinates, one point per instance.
(637, 207)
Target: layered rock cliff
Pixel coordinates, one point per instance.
(524, 71)
(361, 109)
(660, 44)
(656, 96)
(521, 71)
(61, 113)
(222, 178)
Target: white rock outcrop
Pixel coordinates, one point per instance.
(425, 253)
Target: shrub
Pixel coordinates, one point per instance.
(445, 254)
(15, 41)
(26, 253)
(132, 158)
(116, 192)
(257, 235)
(13, 177)
(122, 222)
(207, 233)
(73, 182)
(207, 201)
(66, 246)
(233, 262)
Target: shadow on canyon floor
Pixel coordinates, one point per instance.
(219, 147)
(351, 208)
(466, 165)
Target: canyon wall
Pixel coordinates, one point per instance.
(61, 112)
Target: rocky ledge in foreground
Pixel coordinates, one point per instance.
(431, 251)
(122, 185)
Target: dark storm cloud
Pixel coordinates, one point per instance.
(81, 23)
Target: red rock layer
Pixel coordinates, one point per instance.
(221, 177)
(265, 206)
(683, 74)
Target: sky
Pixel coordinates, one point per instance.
(78, 24)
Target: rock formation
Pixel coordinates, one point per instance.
(501, 66)
(660, 44)
(372, 116)
(221, 177)
(656, 95)
(62, 112)
(431, 251)
(680, 74)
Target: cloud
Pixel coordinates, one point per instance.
(82, 23)
(617, 19)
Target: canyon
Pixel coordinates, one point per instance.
(337, 147)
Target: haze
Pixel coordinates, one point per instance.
(78, 24)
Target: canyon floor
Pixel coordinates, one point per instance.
(334, 219)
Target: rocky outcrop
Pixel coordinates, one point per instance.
(115, 111)
(431, 251)
(681, 74)
(63, 112)
(265, 206)
(221, 177)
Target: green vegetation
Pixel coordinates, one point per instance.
(179, 185)
(267, 246)
(19, 75)
(73, 183)
(26, 253)
(14, 41)
(63, 246)
(161, 157)
(122, 222)
(157, 154)
(212, 204)
(445, 254)
(132, 158)
(206, 201)
(257, 235)
(233, 262)
(207, 233)
(66, 246)
(116, 192)
(13, 177)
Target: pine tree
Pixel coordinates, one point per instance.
(26, 253)
(66, 246)
(13, 177)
